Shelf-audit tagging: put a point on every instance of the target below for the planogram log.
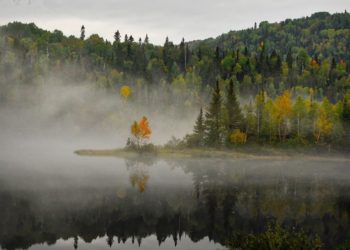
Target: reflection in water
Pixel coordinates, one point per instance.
(204, 201)
(138, 169)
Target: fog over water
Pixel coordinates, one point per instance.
(52, 198)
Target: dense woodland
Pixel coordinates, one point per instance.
(274, 82)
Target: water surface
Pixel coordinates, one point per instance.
(57, 200)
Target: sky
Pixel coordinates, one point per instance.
(191, 19)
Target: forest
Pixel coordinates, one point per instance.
(285, 82)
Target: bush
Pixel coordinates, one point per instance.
(238, 137)
(144, 148)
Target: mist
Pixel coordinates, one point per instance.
(214, 144)
(56, 114)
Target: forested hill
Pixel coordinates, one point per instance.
(321, 34)
(310, 52)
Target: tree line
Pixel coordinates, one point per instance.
(273, 57)
(294, 117)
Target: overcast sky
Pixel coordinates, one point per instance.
(192, 19)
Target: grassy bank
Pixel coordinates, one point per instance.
(251, 152)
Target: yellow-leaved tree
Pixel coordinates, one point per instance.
(324, 122)
(238, 137)
(283, 111)
(125, 92)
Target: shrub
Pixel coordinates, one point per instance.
(238, 137)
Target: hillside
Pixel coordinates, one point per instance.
(311, 51)
(308, 56)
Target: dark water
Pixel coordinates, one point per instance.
(63, 201)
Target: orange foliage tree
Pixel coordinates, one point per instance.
(141, 131)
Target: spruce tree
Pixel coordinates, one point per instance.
(182, 59)
(234, 114)
(199, 129)
(117, 36)
(146, 41)
(213, 122)
(82, 32)
(289, 59)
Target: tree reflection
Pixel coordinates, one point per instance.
(223, 201)
(139, 173)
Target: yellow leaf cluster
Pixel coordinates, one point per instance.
(125, 91)
(238, 137)
(284, 106)
(324, 125)
(135, 129)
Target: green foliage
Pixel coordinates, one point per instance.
(345, 245)
(234, 118)
(298, 55)
(199, 130)
(275, 238)
(346, 107)
(283, 119)
(213, 120)
(311, 51)
(141, 149)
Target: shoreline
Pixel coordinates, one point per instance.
(266, 154)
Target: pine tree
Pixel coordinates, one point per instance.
(146, 41)
(331, 75)
(289, 59)
(234, 114)
(199, 129)
(117, 37)
(213, 123)
(82, 32)
(182, 58)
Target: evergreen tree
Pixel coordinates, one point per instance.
(246, 52)
(117, 37)
(82, 32)
(146, 41)
(331, 75)
(199, 129)
(182, 58)
(234, 114)
(289, 59)
(213, 122)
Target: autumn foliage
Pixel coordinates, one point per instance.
(139, 180)
(125, 91)
(141, 131)
(238, 137)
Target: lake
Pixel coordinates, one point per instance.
(57, 200)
